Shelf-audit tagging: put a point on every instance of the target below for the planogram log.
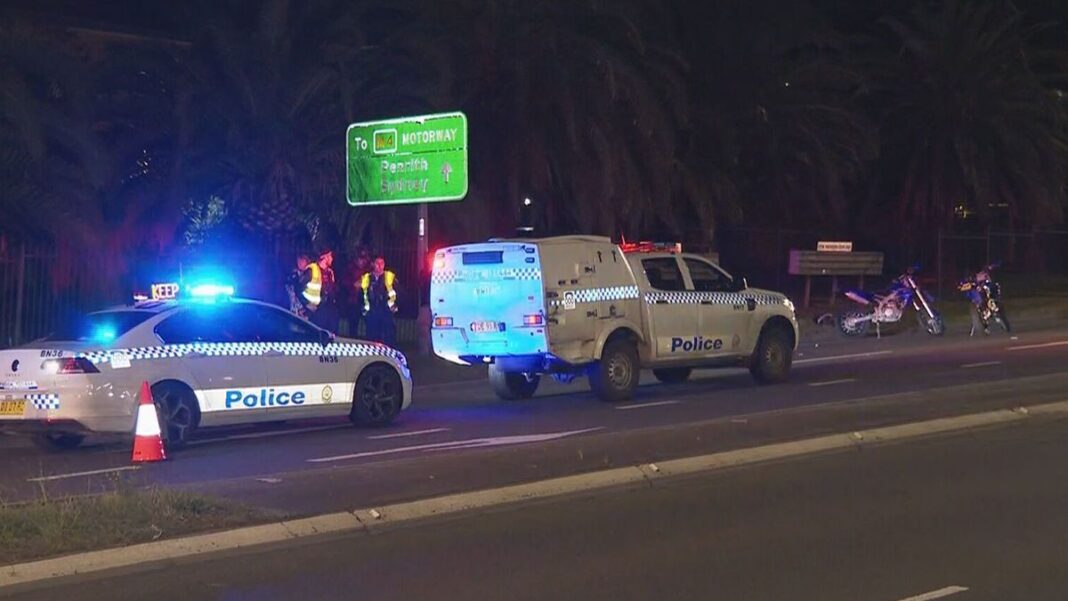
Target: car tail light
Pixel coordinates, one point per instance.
(69, 365)
(442, 322)
(533, 320)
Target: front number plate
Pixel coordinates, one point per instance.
(483, 327)
(13, 407)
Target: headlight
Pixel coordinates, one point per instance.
(789, 304)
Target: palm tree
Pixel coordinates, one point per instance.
(969, 126)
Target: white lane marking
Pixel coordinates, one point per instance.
(832, 382)
(1043, 345)
(89, 473)
(402, 434)
(942, 592)
(982, 364)
(267, 434)
(643, 405)
(459, 444)
(837, 357)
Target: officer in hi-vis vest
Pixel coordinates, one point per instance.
(380, 303)
(304, 286)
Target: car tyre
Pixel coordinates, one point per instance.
(512, 386)
(179, 413)
(615, 377)
(673, 375)
(378, 396)
(773, 357)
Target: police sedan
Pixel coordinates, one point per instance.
(211, 360)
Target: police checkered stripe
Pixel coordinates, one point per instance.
(443, 276)
(522, 273)
(596, 295)
(247, 349)
(508, 273)
(44, 402)
(686, 297)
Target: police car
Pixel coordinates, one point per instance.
(211, 360)
(569, 306)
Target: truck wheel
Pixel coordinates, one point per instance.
(615, 377)
(672, 375)
(772, 358)
(513, 386)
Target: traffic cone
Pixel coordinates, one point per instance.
(148, 442)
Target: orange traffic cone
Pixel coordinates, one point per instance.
(148, 443)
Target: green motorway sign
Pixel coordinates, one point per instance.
(407, 160)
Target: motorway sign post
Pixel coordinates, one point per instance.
(408, 160)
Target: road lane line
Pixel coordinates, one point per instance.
(88, 473)
(832, 382)
(1034, 346)
(644, 405)
(402, 434)
(982, 364)
(450, 445)
(267, 434)
(942, 592)
(836, 357)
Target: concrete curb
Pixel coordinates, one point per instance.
(369, 519)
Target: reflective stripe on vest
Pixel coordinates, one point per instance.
(314, 288)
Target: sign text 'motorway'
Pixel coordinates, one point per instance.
(406, 160)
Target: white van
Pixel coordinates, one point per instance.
(582, 305)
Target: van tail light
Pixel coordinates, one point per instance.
(69, 365)
(533, 320)
(442, 322)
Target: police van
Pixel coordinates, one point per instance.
(569, 306)
(210, 359)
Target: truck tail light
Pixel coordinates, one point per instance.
(533, 320)
(442, 322)
(69, 365)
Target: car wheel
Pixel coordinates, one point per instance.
(513, 386)
(773, 356)
(179, 413)
(673, 375)
(615, 377)
(378, 396)
(59, 441)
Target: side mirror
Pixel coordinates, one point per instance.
(325, 338)
(740, 284)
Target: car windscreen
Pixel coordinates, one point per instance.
(99, 328)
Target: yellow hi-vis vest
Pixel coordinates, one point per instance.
(314, 288)
(391, 294)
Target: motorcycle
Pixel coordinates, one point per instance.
(985, 295)
(890, 307)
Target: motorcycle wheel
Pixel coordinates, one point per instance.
(934, 326)
(857, 328)
(1003, 319)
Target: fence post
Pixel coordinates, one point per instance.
(987, 245)
(939, 260)
(20, 294)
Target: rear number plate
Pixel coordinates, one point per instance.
(483, 327)
(13, 407)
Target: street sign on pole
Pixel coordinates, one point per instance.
(407, 160)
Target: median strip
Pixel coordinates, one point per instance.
(372, 518)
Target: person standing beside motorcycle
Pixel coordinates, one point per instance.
(984, 294)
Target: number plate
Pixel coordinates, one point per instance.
(13, 407)
(483, 327)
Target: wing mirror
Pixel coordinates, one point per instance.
(740, 284)
(325, 338)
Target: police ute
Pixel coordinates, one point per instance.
(569, 306)
(210, 359)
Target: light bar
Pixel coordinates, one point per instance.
(211, 290)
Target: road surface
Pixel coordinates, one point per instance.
(968, 517)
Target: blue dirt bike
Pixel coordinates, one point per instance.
(890, 307)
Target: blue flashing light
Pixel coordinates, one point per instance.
(211, 290)
(104, 334)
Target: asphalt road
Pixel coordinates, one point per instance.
(458, 437)
(974, 516)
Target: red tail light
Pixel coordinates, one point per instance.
(442, 322)
(533, 320)
(69, 365)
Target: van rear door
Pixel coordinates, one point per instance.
(487, 300)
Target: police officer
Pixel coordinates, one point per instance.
(326, 316)
(304, 285)
(380, 303)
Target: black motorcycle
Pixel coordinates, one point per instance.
(985, 295)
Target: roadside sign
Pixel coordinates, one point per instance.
(407, 160)
(834, 247)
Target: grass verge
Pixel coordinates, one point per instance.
(42, 529)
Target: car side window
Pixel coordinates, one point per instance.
(663, 273)
(274, 325)
(707, 278)
(200, 324)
